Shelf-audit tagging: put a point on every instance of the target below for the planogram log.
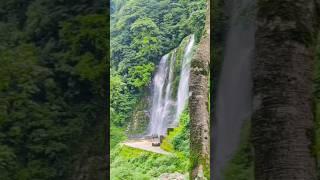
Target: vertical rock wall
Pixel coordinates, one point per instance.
(198, 105)
(282, 123)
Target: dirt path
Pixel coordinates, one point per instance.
(145, 144)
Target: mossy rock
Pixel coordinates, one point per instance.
(140, 117)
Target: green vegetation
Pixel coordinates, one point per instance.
(53, 56)
(178, 141)
(130, 163)
(117, 135)
(142, 31)
(133, 164)
(140, 76)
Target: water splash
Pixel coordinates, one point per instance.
(165, 111)
(234, 89)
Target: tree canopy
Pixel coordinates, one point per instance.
(53, 56)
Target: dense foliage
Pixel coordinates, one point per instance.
(178, 141)
(52, 56)
(134, 164)
(141, 32)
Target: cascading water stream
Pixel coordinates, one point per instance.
(168, 102)
(183, 90)
(158, 101)
(165, 111)
(234, 89)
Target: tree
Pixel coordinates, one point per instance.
(140, 76)
(52, 64)
(282, 123)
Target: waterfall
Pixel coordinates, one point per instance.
(183, 90)
(165, 111)
(159, 81)
(234, 89)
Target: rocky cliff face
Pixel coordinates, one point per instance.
(140, 116)
(282, 123)
(199, 106)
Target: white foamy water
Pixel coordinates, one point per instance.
(183, 90)
(165, 111)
